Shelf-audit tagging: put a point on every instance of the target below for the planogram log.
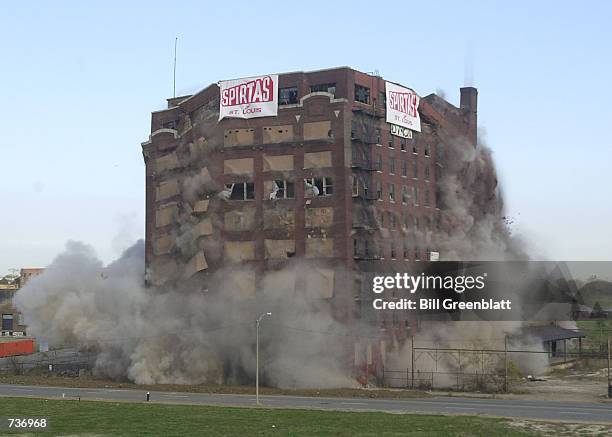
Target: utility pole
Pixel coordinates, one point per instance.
(609, 385)
(174, 72)
(506, 363)
(257, 322)
(412, 356)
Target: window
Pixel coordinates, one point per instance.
(404, 195)
(380, 218)
(378, 137)
(426, 149)
(382, 99)
(416, 223)
(403, 144)
(392, 192)
(415, 195)
(393, 250)
(415, 148)
(407, 219)
(392, 220)
(379, 193)
(355, 186)
(366, 248)
(241, 191)
(391, 141)
(404, 168)
(427, 171)
(353, 129)
(324, 87)
(283, 189)
(392, 165)
(406, 251)
(288, 96)
(378, 162)
(321, 186)
(426, 198)
(362, 94)
(417, 255)
(415, 169)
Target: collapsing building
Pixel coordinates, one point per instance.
(327, 180)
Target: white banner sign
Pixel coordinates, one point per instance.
(402, 107)
(400, 131)
(249, 98)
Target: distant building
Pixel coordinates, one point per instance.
(12, 323)
(27, 274)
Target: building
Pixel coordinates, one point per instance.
(12, 320)
(26, 274)
(327, 182)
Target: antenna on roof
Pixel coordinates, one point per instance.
(174, 75)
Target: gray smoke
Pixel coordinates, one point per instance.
(184, 336)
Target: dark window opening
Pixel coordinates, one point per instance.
(321, 186)
(362, 94)
(392, 165)
(241, 190)
(288, 96)
(324, 87)
(283, 189)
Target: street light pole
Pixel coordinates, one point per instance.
(257, 322)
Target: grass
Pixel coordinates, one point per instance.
(126, 419)
(596, 331)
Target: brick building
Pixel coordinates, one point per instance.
(324, 183)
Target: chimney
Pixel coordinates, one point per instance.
(469, 106)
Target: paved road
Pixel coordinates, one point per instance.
(548, 410)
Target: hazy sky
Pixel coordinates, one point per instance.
(78, 84)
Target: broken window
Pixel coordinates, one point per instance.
(404, 194)
(318, 186)
(426, 149)
(324, 87)
(404, 168)
(403, 144)
(240, 191)
(415, 169)
(415, 148)
(392, 192)
(288, 96)
(392, 165)
(427, 172)
(282, 189)
(415, 195)
(362, 94)
(379, 191)
(378, 162)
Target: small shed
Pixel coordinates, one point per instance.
(554, 338)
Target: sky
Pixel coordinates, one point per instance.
(79, 82)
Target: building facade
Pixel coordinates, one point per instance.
(326, 184)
